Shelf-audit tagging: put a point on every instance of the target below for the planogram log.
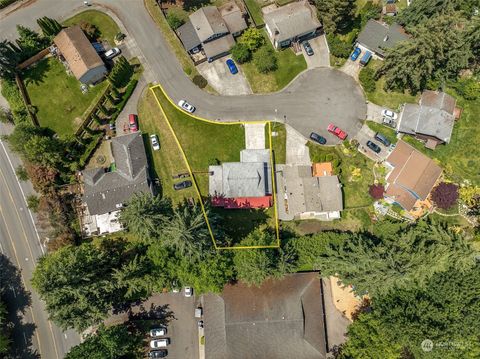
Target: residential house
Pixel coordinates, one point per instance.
(80, 55)
(411, 176)
(244, 184)
(281, 318)
(211, 30)
(106, 191)
(310, 193)
(431, 120)
(377, 37)
(291, 23)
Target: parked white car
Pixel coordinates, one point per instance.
(110, 54)
(154, 141)
(390, 114)
(159, 343)
(186, 106)
(188, 291)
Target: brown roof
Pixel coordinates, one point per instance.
(390, 9)
(233, 17)
(77, 50)
(439, 100)
(413, 175)
(322, 169)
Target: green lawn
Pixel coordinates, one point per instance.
(204, 143)
(168, 160)
(355, 172)
(390, 99)
(255, 11)
(279, 142)
(58, 97)
(289, 66)
(104, 23)
(388, 132)
(460, 157)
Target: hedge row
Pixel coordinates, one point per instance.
(12, 94)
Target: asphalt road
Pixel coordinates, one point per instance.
(34, 334)
(316, 98)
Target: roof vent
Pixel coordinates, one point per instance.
(385, 39)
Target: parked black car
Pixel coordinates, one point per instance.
(308, 48)
(182, 185)
(317, 138)
(373, 146)
(162, 353)
(381, 138)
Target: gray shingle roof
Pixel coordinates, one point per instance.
(207, 22)
(292, 20)
(188, 36)
(322, 194)
(218, 46)
(106, 191)
(377, 37)
(233, 17)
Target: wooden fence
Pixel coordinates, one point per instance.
(33, 59)
(26, 100)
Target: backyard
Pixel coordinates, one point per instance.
(106, 26)
(57, 96)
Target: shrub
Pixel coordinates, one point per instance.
(265, 60)
(12, 94)
(252, 38)
(376, 191)
(367, 79)
(445, 195)
(21, 173)
(370, 11)
(200, 81)
(338, 48)
(174, 20)
(468, 88)
(90, 30)
(33, 202)
(241, 53)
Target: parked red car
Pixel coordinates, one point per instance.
(337, 131)
(133, 122)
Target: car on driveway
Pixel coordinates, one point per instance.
(308, 48)
(162, 353)
(154, 141)
(373, 146)
(110, 54)
(158, 332)
(381, 138)
(182, 185)
(317, 138)
(337, 131)
(355, 54)
(159, 343)
(389, 114)
(231, 66)
(133, 122)
(186, 106)
(188, 291)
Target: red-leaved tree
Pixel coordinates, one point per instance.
(445, 195)
(376, 191)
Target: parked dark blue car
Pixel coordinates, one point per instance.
(355, 54)
(232, 67)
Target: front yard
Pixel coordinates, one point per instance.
(57, 96)
(106, 26)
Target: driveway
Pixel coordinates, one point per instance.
(366, 134)
(352, 68)
(297, 151)
(254, 136)
(220, 78)
(374, 112)
(131, 107)
(321, 55)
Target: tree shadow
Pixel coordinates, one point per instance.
(17, 300)
(37, 73)
(189, 5)
(158, 313)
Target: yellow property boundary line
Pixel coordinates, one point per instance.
(274, 194)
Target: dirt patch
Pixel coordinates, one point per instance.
(344, 298)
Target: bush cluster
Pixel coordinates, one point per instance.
(338, 48)
(367, 79)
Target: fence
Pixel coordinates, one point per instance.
(33, 59)
(26, 100)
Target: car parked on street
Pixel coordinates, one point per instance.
(232, 67)
(355, 54)
(188, 291)
(389, 114)
(373, 146)
(133, 122)
(162, 353)
(182, 185)
(110, 54)
(186, 106)
(159, 343)
(337, 131)
(158, 332)
(154, 141)
(308, 48)
(317, 138)
(382, 139)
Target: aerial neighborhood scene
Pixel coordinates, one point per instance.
(239, 179)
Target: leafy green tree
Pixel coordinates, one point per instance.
(436, 52)
(174, 20)
(336, 14)
(32, 202)
(252, 38)
(241, 53)
(145, 215)
(29, 41)
(374, 265)
(338, 47)
(77, 283)
(109, 343)
(265, 60)
(43, 150)
(134, 278)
